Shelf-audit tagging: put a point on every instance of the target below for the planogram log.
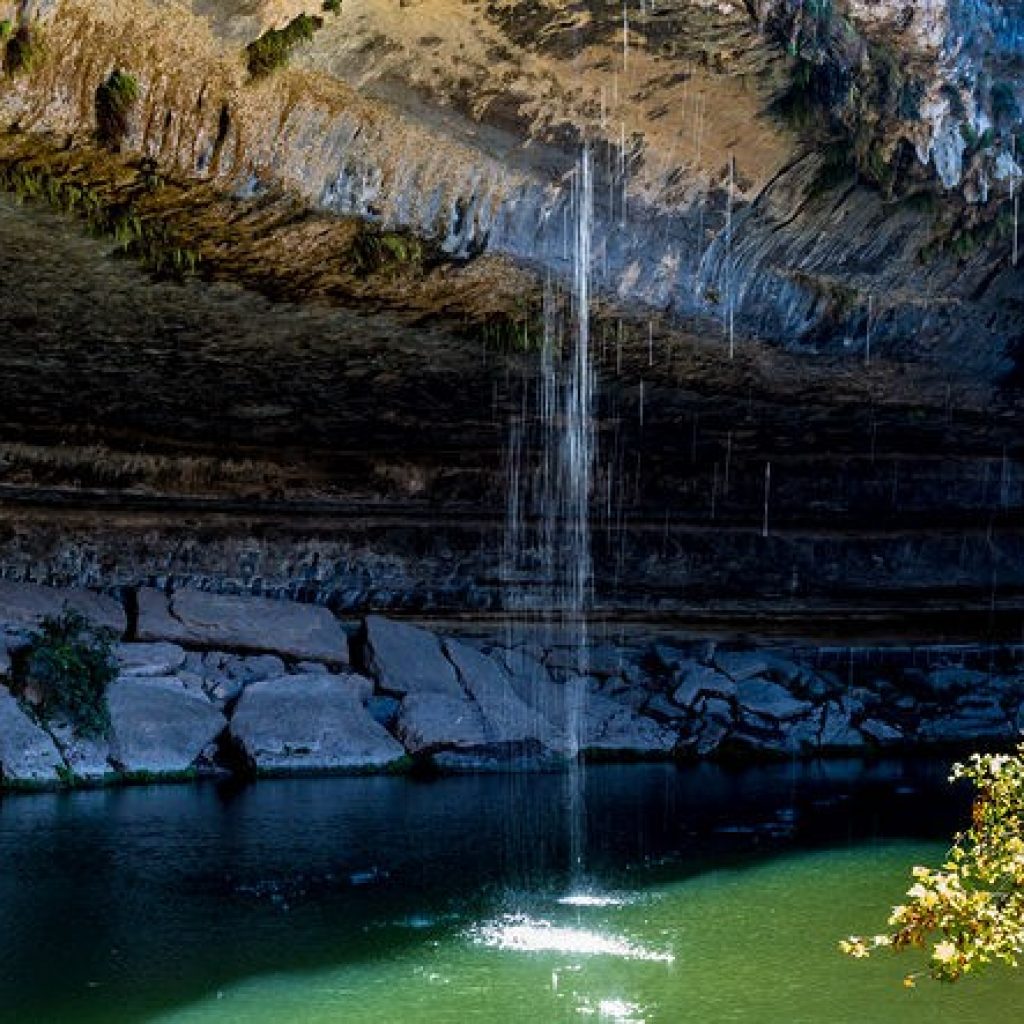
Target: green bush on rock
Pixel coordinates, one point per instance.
(23, 49)
(272, 50)
(970, 912)
(65, 672)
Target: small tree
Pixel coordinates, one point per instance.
(67, 668)
(970, 912)
(116, 98)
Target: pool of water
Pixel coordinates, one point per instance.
(705, 895)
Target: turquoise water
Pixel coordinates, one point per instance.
(756, 945)
(707, 896)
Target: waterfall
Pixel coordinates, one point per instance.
(548, 568)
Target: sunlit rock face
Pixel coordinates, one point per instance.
(937, 75)
(463, 122)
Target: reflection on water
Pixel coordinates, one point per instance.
(378, 900)
(520, 933)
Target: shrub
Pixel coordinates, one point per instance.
(376, 251)
(115, 100)
(66, 670)
(332, 6)
(274, 47)
(970, 912)
(24, 49)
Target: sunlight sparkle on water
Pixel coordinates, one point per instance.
(519, 933)
(586, 899)
(617, 1010)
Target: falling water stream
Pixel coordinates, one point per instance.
(548, 568)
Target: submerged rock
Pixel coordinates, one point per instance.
(243, 623)
(405, 659)
(308, 723)
(28, 755)
(158, 725)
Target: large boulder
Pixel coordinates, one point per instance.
(508, 719)
(158, 725)
(837, 731)
(769, 700)
(242, 623)
(611, 729)
(431, 722)
(967, 723)
(23, 606)
(312, 722)
(405, 659)
(742, 665)
(28, 755)
(953, 679)
(701, 680)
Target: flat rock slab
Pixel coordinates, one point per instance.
(158, 725)
(242, 623)
(880, 732)
(429, 722)
(312, 722)
(28, 755)
(770, 700)
(701, 680)
(405, 659)
(23, 606)
(743, 665)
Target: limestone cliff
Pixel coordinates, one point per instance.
(806, 169)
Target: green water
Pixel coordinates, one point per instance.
(754, 945)
(720, 896)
